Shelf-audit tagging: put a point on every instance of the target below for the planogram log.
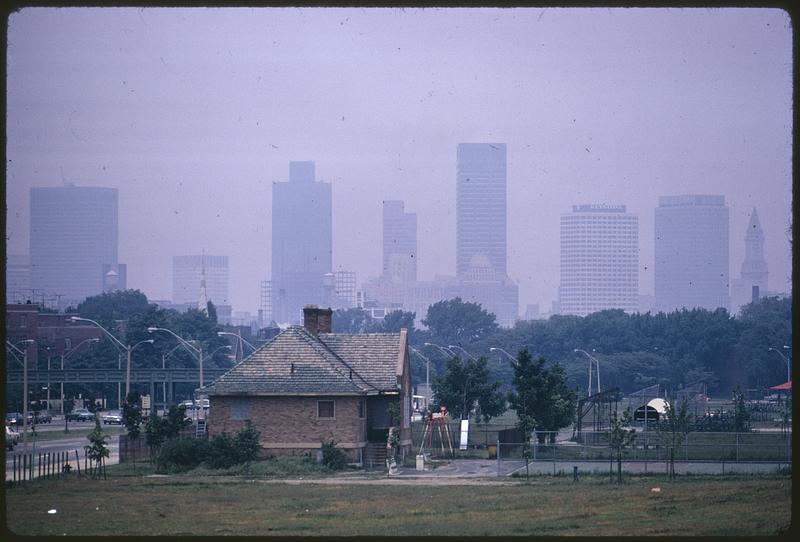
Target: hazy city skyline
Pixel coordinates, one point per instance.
(192, 114)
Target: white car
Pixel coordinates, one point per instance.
(112, 416)
(12, 438)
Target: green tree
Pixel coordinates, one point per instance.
(456, 322)
(741, 413)
(621, 435)
(463, 384)
(132, 419)
(541, 397)
(394, 321)
(97, 450)
(351, 321)
(673, 426)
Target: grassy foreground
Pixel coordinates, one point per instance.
(334, 505)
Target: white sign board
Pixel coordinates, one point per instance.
(145, 402)
(464, 434)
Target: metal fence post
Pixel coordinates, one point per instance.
(737, 446)
(498, 454)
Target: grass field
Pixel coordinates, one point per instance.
(358, 504)
(74, 432)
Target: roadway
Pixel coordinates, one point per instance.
(66, 444)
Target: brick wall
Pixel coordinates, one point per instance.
(289, 425)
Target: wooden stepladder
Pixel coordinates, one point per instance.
(437, 421)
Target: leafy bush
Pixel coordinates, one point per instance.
(222, 452)
(181, 454)
(332, 457)
(246, 443)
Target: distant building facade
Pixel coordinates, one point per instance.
(692, 252)
(399, 242)
(481, 205)
(302, 242)
(599, 259)
(115, 277)
(753, 277)
(74, 232)
(18, 278)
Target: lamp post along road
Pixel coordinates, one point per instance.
(196, 350)
(509, 356)
(63, 357)
(27, 343)
(427, 373)
(592, 359)
(470, 356)
(786, 360)
(240, 339)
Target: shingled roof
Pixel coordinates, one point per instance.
(297, 363)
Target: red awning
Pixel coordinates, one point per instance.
(783, 387)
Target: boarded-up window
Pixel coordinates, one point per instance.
(325, 409)
(362, 408)
(240, 408)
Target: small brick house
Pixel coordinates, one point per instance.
(308, 385)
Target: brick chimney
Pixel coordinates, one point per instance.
(317, 320)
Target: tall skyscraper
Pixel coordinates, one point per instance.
(399, 243)
(302, 242)
(188, 274)
(74, 232)
(691, 252)
(481, 206)
(754, 270)
(599, 260)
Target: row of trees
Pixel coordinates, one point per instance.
(634, 350)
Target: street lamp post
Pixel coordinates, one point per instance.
(63, 357)
(470, 356)
(24, 353)
(509, 356)
(427, 373)
(197, 351)
(447, 352)
(786, 360)
(121, 347)
(239, 338)
(592, 359)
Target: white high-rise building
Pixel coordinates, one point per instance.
(599, 260)
(754, 273)
(187, 278)
(74, 232)
(692, 252)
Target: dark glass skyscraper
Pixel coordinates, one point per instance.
(481, 207)
(302, 242)
(74, 232)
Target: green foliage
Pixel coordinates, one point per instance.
(394, 321)
(246, 443)
(106, 308)
(456, 322)
(182, 454)
(541, 397)
(741, 413)
(465, 383)
(351, 321)
(160, 429)
(225, 451)
(132, 416)
(97, 450)
(332, 457)
(393, 410)
(673, 426)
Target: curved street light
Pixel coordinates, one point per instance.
(239, 337)
(447, 352)
(786, 360)
(427, 370)
(496, 348)
(597, 364)
(64, 356)
(470, 356)
(198, 352)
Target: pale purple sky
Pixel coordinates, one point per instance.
(193, 113)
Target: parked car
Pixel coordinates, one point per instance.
(80, 415)
(43, 416)
(13, 418)
(12, 438)
(112, 416)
